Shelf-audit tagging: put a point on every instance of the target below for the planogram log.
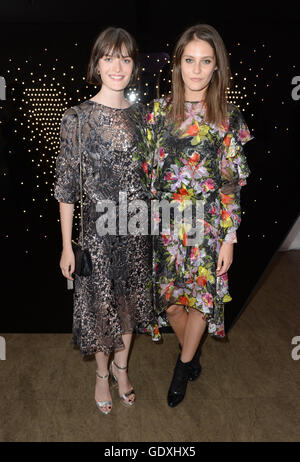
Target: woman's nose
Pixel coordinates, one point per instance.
(197, 68)
(117, 65)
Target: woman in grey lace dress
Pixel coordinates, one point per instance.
(116, 298)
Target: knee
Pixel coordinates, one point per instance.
(197, 314)
(174, 310)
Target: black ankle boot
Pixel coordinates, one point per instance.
(196, 366)
(179, 382)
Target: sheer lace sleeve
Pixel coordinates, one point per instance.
(67, 186)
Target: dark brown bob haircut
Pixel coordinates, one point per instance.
(110, 42)
(215, 97)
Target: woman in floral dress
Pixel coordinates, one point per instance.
(193, 150)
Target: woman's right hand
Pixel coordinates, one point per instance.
(67, 263)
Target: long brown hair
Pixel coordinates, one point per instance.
(110, 41)
(215, 97)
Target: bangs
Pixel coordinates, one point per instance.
(116, 43)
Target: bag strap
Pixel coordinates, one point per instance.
(80, 163)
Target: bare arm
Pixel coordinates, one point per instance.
(67, 261)
(66, 223)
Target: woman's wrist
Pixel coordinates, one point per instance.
(231, 237)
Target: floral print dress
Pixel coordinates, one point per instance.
(198, 161)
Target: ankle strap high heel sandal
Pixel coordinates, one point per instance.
(115, 383)
(102, 404)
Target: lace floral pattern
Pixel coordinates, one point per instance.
(117, 297)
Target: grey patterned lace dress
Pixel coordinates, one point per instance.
(117, 297)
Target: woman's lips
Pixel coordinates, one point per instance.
(117, 77)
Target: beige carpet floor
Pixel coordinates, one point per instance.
(249, 389)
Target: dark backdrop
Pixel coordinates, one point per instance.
(43, 38)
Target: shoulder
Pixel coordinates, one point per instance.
(160, 103)
(234, 114)
(138, 108)
(82, 110)
(69, 118)
(157, 107)
(138, 105)
(233, 111)
(69, 113)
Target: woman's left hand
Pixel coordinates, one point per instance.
(225, 258)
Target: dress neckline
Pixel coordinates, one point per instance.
(109, 107)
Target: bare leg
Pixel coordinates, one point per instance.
(102, 392)
(177, 317)
(121, 359)
(194, 329)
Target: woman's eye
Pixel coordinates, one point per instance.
(207, 61)
(127, 61)
(188, 60)
(107, 59)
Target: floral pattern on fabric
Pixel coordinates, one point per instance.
(197, 161)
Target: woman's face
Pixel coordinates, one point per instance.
(198, 63)
(115, 71)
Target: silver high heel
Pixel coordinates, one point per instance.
(114, 381)
(102, 404)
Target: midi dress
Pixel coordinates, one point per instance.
(202, 163)
(117, 297)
